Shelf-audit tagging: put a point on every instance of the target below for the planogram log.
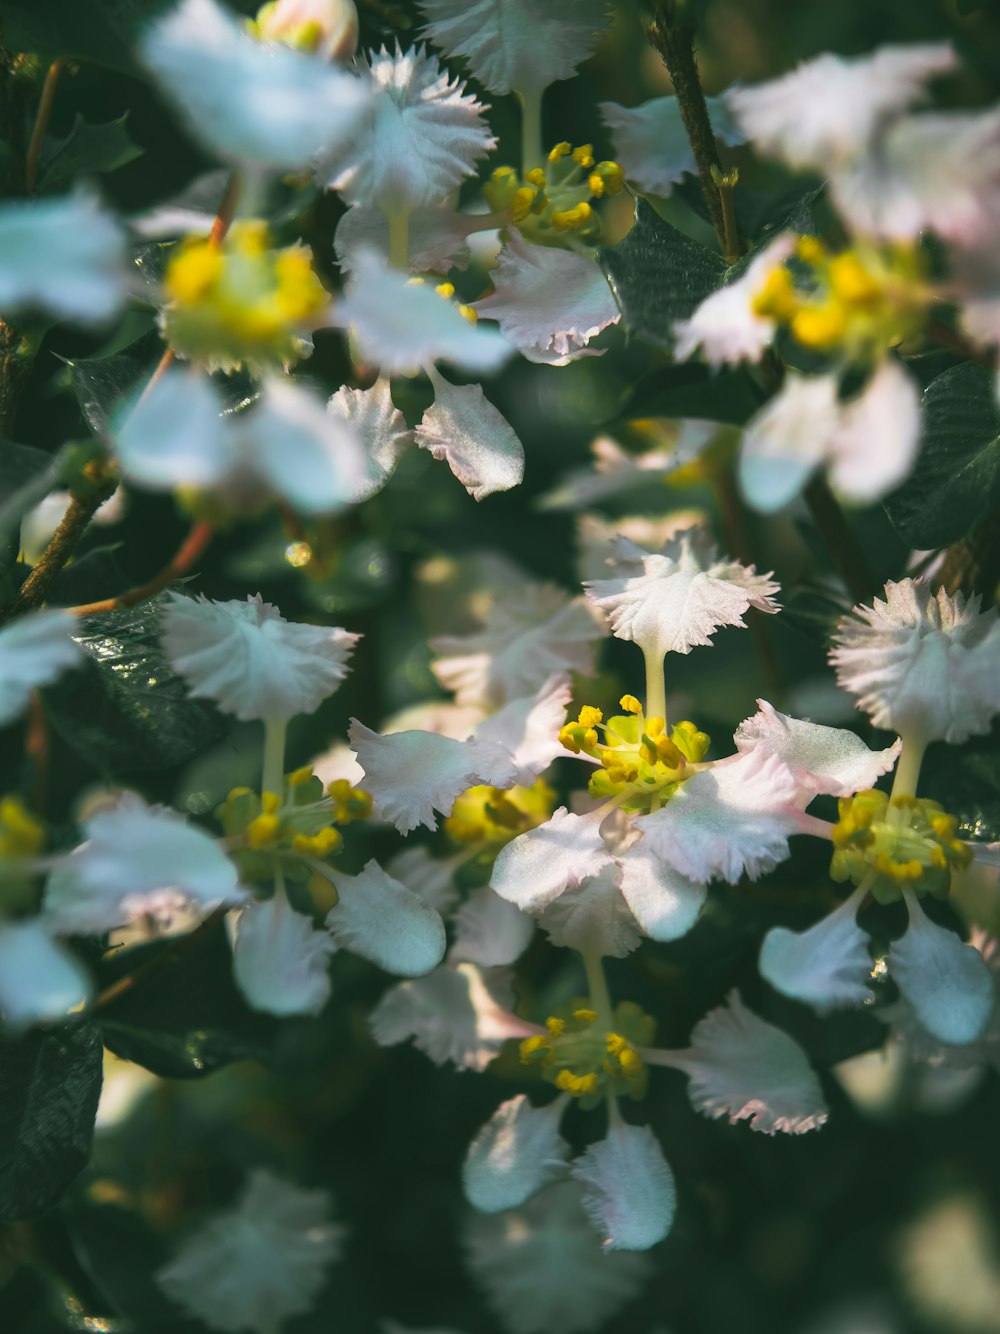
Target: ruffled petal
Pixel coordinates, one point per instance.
(413, 774)
(593, 917)
(34, 650)
(536, 867)
(175, 434)
(517, 1152)
(741, 1067)
(429, 877)
(823, 759)
(787, 440)
(280, 962)
(250, 660)
(385, 922)
(489, 930)
(439, 240)
(40, 980)
(826, 966)
(381, 429)
(946, 981)
(476, 440)
(529, 728)
(629, 1190)
(665, 903)
(886, 411)
(652, 145)
(725, 326)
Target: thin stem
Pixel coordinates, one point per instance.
(841, 544)
(726, 182)
(61, 546)
(227, 208)
(167, 955)
(656, 693)
(42, 123)
(597, 986)
(673, 38)
(188, 552)
(532, 154)
(399, 238)
(274, 755)
(911, 757)
(29, 495)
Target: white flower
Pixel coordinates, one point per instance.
(66, 256)
(462, 1014)
(826, 110)
(548, 302)
(517, 1152)
(40, 980)
(478, 443)
(420, 138)
(529, 728)
(615, 472)
(138, 860)
(725, 326)
(535, 868)
(826, 966)
(258, 1263)
(629, 1190)
(922, 662)
(250, 660)
(402, 325)
(744, 1068)
(438, 239)
(651, 143)
(945, 981)
(428, 877)
(264, 105)
(527, 637)
(672, 600)
(34, 650)
(490, 931)
(381, 429)
(385, 922)
(664, 903)
(175, 434)
(543, 1269)
(596, 917)
(280, 962)
(516, 44)
(332, 25)
(869, 442)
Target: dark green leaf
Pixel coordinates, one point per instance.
(96, 574)
(126, 708)
(49, 1086)
(184, 1017)
(103, 31)
(692, 390)
(659, 275)
(19, 464)
(101, 384)
(88, 150)
(956, 480)
(966, 781)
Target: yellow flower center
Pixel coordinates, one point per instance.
(555, 199)
(21, 835)
(900, 843)
(241, 302)
(584, 1059)
(490, 815)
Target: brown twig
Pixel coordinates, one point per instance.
(42, 123)
(167, 955)
(187, 553)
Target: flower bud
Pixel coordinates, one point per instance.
(327, 28)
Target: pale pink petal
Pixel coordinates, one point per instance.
(381, 429)
(517, 1152)
(476, 441)
(665, 903)
(629, 1190)
(385, 922)
(875, 440)
(490, 931)
(280, 962)
(826, 966)
(536, 867)
(787, 440)
(593, 917)
(725, 326)
(946, 981)
(529, 728)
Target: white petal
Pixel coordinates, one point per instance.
(672, 600)
(332, 25)
(250, 660)
(522, 44)
(280, 962)
(945, 980)
(651, 143)
(431, 878)
(402, 326)
(463, 1015)
(34, 650)
(381, 429)
(593, 917)
(413, 774)
(138, 860)
(876, 437)
(742, 1067)
(489, 930)
(922, 662)
(536, 867)
(550, 303)
(262, 104)
(725, 325)
(175, 434)
(828, 109)
(420, 138)
(665, 904)
(787, 440)
(614, 471)
(728, 819)
(476, 440)
(311, 457)
(628, 1188)
(826, 966)
(823, 759)
(40, 980)
(64, 255)
(250, 1267)
(517, 1152)
(439, 240)
(528, 636)
(385, 922)
(529, 728)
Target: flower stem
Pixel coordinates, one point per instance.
(274, 755)
(399, 238)
(42, 123)
(656, 694)
(62, 544)
(597, 986)
(187, 553)
(911, 757)
(531, 130)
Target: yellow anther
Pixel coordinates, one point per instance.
(776, 297)
(585, 1016)
(299, 776)
(610, 175)
(560, 151)
(503, 174)
(270, 802)
(467, 313)
(571, 219)
(851, 281)
(263, 831)
(533, 1047)
(536, 176)
(567, 738)
(235, 793)
(631, 1063)
(317, 845)
(655, 726)
(192, 272)
(669, 753)
(445, 289)
(555, 1026)
(810, 249)
(630, 704)
(577, 1086)
(584, 155)
(590, 716)
(616, 1043)
(520, 205)
(595, 185)
(819, 327)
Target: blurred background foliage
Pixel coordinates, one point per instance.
(888, 1220)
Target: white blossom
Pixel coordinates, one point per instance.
(596, 916)
(651, 143)
(535, 868)
(725, 326)
(489, 931)
(381, 429)
(383, 921)
(529, 728)
(280, 961)
(826, 966)
(34, 650)
(629, 1190)
(517, 1152)
(250, 660)
(665, 903)
(945, 981)
(40, 980)
(476, 441)
(438, 239)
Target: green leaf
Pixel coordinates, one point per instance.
(692, 390)
(966, 781)
(102, 384)
(49, 1087)
(956, 480)
(127, 709)
(185, 1016)
(102, 31)
(88, 150)
(658, 275)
